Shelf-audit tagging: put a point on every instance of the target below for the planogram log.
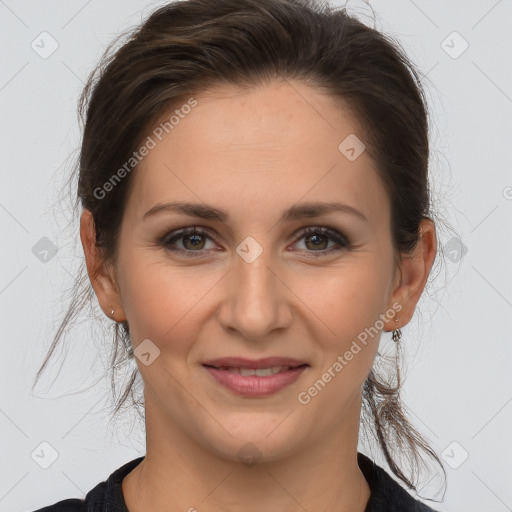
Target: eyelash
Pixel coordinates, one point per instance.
(334, 235)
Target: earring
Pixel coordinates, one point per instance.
(112, 314)
(397, 333)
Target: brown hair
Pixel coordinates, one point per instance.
(184, 48)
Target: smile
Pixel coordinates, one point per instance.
(255, 382)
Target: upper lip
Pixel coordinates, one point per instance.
(266, 362)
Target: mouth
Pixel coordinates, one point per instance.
(255, 378)
(260, 372)
(263, 363)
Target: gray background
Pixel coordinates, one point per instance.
(458, 389)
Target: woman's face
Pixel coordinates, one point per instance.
(253, 285)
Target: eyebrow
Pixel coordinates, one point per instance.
(299, 211)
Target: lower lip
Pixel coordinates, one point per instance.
(253, 385)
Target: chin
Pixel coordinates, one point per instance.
(253, 441)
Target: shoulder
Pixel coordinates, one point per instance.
(69, 505)
(386, 493)
(105, 496)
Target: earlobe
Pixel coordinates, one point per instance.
(100, 275)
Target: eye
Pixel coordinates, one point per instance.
(191, 238)
(315, 237)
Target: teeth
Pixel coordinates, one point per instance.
(260, 372)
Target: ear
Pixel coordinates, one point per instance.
(412, 275)
(100, 274)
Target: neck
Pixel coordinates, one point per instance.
(178, 473)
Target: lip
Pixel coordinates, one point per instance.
(266, 362)
(254, 385)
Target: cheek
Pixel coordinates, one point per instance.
(346, 300)
(345, 305)
(348, 305)
(162, 302)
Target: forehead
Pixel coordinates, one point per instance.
(269, 145)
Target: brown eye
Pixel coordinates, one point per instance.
(317, 240)
(195, 241)
(190, 239)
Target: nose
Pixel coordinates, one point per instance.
(255, 302)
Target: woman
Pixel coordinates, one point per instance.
(254, 183)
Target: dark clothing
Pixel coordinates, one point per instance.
(386, 494)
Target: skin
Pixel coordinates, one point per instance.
(255, 153)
